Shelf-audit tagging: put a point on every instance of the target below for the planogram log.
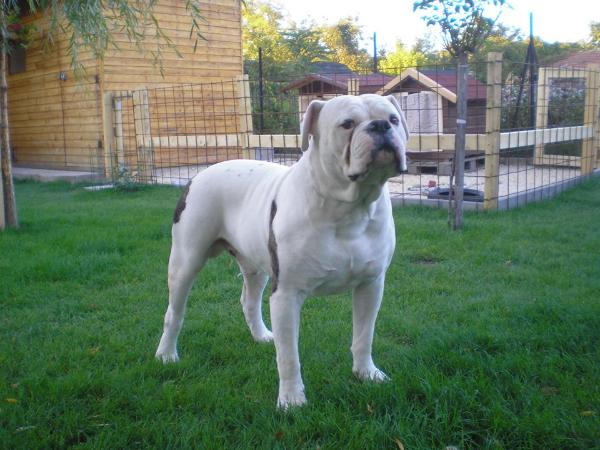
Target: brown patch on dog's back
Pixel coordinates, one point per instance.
(273, 249)
(181, 204)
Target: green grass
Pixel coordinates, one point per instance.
(491, 335)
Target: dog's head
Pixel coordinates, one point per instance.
(355, 141)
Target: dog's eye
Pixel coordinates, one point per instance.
(347, 124)
(394, 119)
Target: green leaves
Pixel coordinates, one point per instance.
(463, 22)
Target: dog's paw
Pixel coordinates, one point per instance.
(264, 336)
(290, 400)
(167, 357)
(371, 374)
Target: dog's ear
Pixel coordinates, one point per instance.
(394, 102)
(309, 121)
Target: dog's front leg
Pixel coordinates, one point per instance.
(366, 300)
(285, 320)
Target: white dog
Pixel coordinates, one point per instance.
(322, 226)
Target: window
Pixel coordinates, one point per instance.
(16, 61)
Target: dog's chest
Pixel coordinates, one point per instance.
(349, 256)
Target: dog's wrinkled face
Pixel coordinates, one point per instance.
(364, 136)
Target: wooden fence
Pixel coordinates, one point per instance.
(218, 124)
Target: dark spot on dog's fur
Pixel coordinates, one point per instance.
(181, 203)
(273, 249)
(232, 251)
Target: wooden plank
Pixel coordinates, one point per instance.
(416, 143)
(493, 111)
(433, 142)
(526, 138)
(199, 141)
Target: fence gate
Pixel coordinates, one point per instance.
(554, 86)
(165, 134)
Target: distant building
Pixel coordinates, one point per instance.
(331, 79)
(579, 59)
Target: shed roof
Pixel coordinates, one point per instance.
(580, 59)
(442, 82)
(339, 80)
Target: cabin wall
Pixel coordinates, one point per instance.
(59, 124)
(55, 122)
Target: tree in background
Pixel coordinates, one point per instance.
(401, 58)
(343, 41)
(595, 34)
(91, 26)
(263, 26)
(465, 28)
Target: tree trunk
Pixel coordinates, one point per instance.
(459, 153)
(9, 211)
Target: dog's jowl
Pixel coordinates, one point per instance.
(319, 227)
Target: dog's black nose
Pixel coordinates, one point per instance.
(379, 126)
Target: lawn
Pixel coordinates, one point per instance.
(491, 336)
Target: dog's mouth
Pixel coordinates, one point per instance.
(385, 155)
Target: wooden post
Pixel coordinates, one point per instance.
(118, 132)
(143, 138)
(597, 132)
(455, 210)
(244, 109)
(541, 114)
(492, 130)
(590, 118)
(353, 86)
(108, 134)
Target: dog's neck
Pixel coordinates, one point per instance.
(329, 181)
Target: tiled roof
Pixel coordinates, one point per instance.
(580, 59)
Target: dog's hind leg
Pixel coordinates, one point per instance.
(183, 268)
(251, 300)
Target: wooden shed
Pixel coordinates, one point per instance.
(443, 83)
(325, 86)
(58, 121)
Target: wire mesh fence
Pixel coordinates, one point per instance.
(527, 138)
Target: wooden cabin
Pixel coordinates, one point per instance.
(443, 84)
(58, 121)
(324, 86)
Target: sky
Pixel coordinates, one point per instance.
(553, 20)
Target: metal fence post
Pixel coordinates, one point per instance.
(493, 110)
(143, 138)
(590, 119)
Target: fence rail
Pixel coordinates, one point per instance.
(167, 135)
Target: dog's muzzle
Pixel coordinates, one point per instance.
(385, 141)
